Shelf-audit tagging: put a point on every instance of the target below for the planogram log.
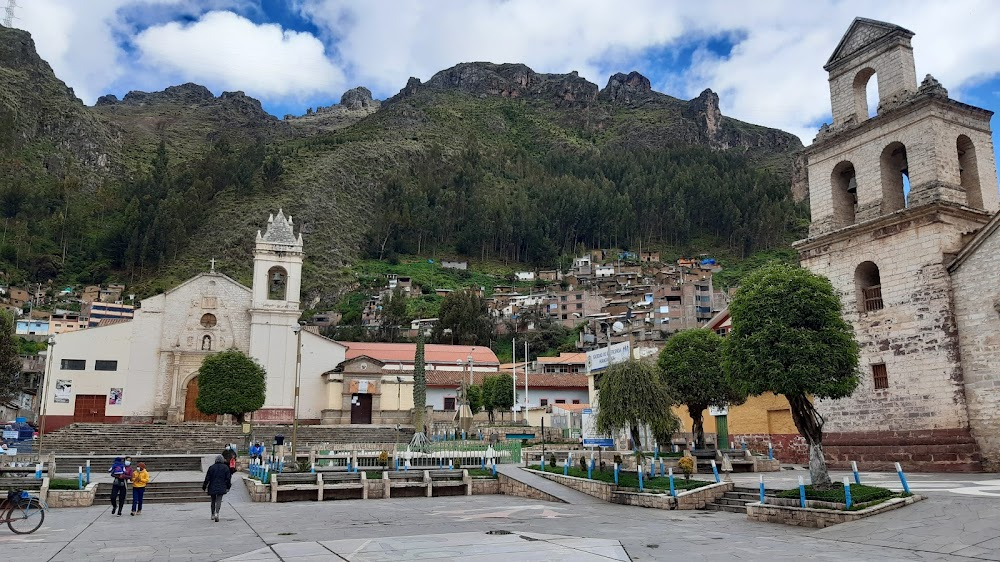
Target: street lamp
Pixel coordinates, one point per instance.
(45, 381)
(298, 378)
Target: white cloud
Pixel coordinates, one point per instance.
(225, 51)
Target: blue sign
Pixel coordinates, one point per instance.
(598, 442)
(21, 420)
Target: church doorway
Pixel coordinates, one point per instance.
(361, 408)
(89, 408)
(191, 412)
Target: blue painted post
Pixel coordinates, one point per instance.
(715, 471)
(802, 493)
(662, 473)
(902, 478)
(281, 465)
(761, 489)
(590, 470)
(770, 451)
(652, 470)
(847, 491)
(482, 465)
(640, 477)
(542, 463)
(38, 471)
(494, 467)
(440, 462)
(566, 467)
(312, 468)
(267, 475)
(451, 464)
(616, 474)
(593, 463)
(397, 464)
(670, 473)
(854, 469)
(79, 478)
(463, 435)
(88, 472)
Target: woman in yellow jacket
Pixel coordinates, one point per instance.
(140, 477)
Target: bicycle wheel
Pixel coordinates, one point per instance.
(25, 518)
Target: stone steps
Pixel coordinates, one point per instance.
(164, 492)
(98, 463)
(735, 501)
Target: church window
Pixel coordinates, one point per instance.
(208, 321)
(869, 287)
(895, 177)
(206, 343)
(845, 194)
(105, 365)
(880, 375)
(277, 283)
(73, 364)
(968, 172)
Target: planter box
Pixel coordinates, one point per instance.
(598, 489)
(258, 492)
(689, 499)
(72, 498)
(819, 518)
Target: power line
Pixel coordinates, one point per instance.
(8, 18)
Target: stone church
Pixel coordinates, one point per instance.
(904, 203)
(146, 369)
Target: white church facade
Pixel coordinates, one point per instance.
(146, 369)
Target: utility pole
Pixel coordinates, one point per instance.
(8, 18)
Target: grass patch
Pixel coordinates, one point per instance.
(481, 473)
(64, 484)
(631, 480)
(859, 494)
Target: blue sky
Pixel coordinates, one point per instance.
(763, 58)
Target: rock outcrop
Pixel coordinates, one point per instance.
(358, 98)
(627, 89)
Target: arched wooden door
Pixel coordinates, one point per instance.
(191, 412)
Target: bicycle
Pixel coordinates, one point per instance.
(22, 512)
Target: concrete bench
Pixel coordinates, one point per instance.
(405, 480)
(444, 479)
(336, 481)
(293, 482)
(16, 471)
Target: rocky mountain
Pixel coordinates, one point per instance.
(330, 167)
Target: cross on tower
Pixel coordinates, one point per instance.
(212, 261)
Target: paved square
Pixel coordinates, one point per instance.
(948, 526)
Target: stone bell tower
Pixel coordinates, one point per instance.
(893, 197)
(274, 313)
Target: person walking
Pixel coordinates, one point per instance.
(217, 482)
(140, 477)
(118, 480)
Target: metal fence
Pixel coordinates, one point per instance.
(436, 454)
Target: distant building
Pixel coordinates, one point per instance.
(97, 311)
(30, 327)
(61, 322)
(460, 265)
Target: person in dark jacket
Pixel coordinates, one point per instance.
(217, 482)
(120, 475)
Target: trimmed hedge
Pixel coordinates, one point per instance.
(631, 480)
(64, 484)
(859, 493)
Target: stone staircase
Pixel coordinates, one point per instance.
(66, 464)
(735, 501)
(202, 438)
(158, 492)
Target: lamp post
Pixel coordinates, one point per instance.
(298, 377)
(45, 382)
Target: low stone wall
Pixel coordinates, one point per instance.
(699, 497)
(72, 498)
(819, 518)
(766, 465)
(483, 486)
(376, 489)
(596, 488)
(258, 492)
(510, 487)
(689, 499)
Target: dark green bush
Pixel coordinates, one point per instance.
(859, 493)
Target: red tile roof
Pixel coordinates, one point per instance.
(433, 353)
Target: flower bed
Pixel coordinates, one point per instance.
(819, 518)
(631, 479)
(860, 494)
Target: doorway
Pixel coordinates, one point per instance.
(361, 408)
(191, 411)
(89, 408)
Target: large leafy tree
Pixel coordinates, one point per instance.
(474, 394)
(498, 394)
(10, 362)
(691, 366)
(631, 395)
(230, 383)
(464, 318)
(788, 337)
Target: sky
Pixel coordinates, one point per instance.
(764, 58)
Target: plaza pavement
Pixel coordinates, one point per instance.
(950, 525)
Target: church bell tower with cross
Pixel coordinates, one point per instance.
(274, 313)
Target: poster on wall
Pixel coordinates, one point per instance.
(64, 390)
(115, 397)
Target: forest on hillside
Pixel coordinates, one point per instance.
(513, 207)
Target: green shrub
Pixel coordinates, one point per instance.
(859, 493)
(63, 484)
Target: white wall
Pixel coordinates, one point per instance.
(106, 343)
(319, 355)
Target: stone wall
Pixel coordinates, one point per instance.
(72, 498)
(788, 447)
(977, 310)
(697, 498)
(689, 499)
(819, 518)
(952, 450)
(510, 487)
(258, 492)
(596, 488)
(481, 486)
